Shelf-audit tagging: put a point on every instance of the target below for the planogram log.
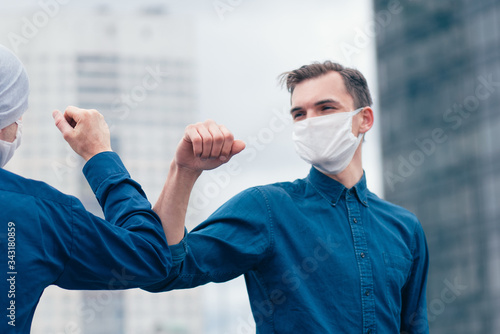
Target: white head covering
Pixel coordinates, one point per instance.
(14, 88)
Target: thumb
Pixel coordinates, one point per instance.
(238, 146)
(61, 123)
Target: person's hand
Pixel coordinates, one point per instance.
(85, 131)
(206, 146)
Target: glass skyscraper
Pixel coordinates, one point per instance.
(439, 84)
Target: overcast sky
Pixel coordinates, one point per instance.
(242, 46)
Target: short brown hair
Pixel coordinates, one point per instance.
(354, 80)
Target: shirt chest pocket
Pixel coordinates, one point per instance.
(397, 270)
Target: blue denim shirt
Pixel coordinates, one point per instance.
(49, 238)
(317, 258)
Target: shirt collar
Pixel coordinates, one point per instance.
(332, 190)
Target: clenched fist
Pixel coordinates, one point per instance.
(206, 146)
(85, 131)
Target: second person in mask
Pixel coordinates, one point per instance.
(321, 254)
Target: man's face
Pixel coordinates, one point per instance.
(320, 96)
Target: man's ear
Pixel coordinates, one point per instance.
(366, 119)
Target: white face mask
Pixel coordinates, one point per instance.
(7, 149)
(327, 142)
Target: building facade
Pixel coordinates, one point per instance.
(439, 84)
(138, 69)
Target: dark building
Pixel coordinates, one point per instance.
(439, 84)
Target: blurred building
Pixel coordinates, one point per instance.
(439, 84)
(138, 69)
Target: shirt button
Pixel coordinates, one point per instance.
(367, 292)
(355, 221)
(362, 255)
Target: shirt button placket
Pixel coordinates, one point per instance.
(366, 272)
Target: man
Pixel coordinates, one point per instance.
(48, 237)
(320, 255)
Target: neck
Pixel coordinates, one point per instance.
(353, 173)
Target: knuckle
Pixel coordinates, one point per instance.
(189, 129)
(210, 124)
(207, 142)
(218, 139)
(66, 135)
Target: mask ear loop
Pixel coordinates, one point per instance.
(19, 131)
(362, 140)
(355, 112)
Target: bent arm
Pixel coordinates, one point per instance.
(173, 201)
(234, 240)
(204, 146)
(129, 249)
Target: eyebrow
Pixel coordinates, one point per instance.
(326, 101)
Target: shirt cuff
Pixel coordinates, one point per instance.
(101, 166)
(179, 251)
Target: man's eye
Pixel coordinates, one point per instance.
(327, 107)
(298, 114)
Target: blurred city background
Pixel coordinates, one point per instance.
(153, 67)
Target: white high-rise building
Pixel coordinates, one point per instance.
(138, 69)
